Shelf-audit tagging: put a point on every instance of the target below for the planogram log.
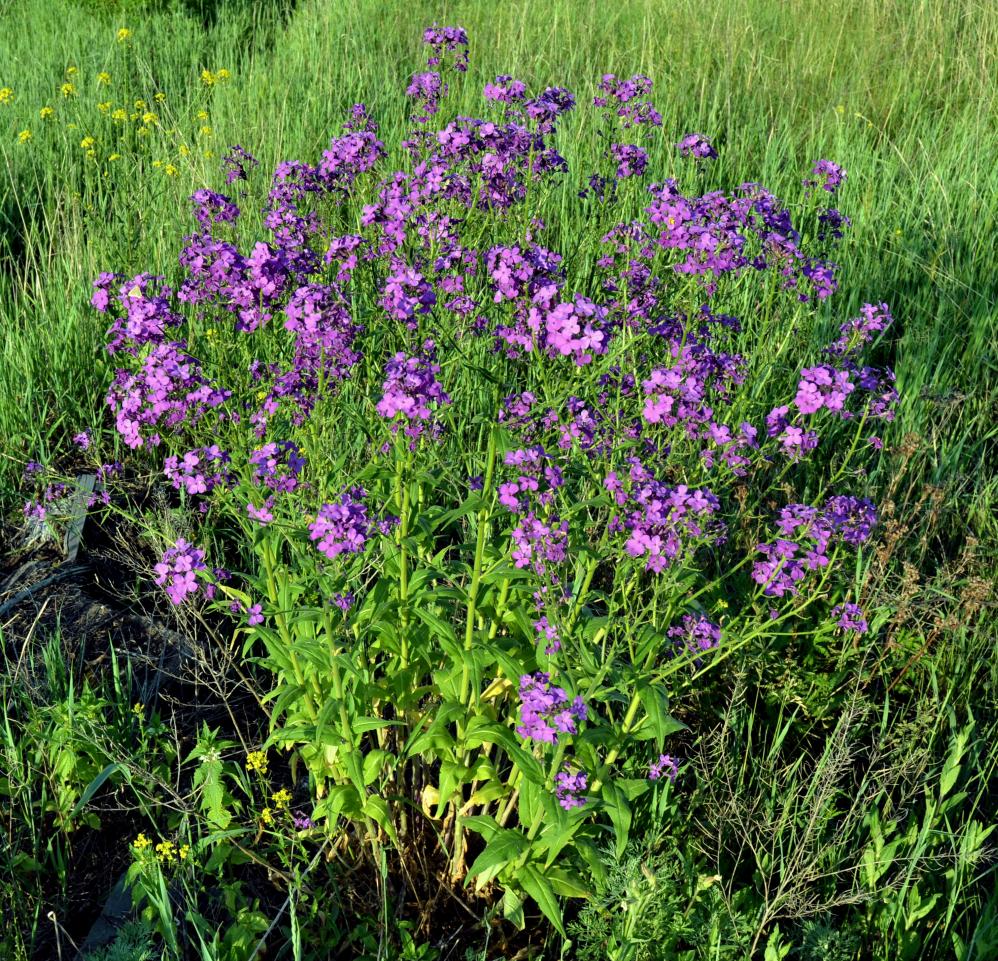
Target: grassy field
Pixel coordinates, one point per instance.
(904, 95)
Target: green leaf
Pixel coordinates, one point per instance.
(620, 815)
(539, 888)
(484, 824)
(376, 808)
(95, 785)
(505, 846)
(655, 701)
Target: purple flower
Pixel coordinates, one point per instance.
(426, 89)
(344, 601)
(301, 822)
(696, 634)
(411, 386)
(236, 161)
(850, 617)
(696, 145)
(343, 526)
(198, 471)
(827, 175)
(570, 788)
(254, 615)
(82, 439)
(665, 766)
(545, 711)
(178, 569)
(444, 41)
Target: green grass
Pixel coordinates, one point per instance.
(903, 94)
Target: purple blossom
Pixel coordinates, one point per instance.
(545, 711)
(411, 386)
(342, 527)
(850, 617)
(254, 615)
(82, 439)
(696, 634)
(178, 569)
(198, 471)
(697, 146)
(447, 42)
(570, 789)
(827, 175)
(666, 766)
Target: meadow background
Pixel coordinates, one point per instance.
(902, 94)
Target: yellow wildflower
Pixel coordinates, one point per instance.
(281, 799)
(141, 843)
(71, 126)
(223, 74)
(104, 78)
(24, 136)
(120, 114)
(46, 113)
(139, 105)
(157, 163)
(150, 119)
(208, 78)
(257, 761)
(185, 849)
(116, 156)
(267, 816)
(104, 106)
(159, 97)
(87, 142)
(202, 115)
(165, 852)
(6, 96)
(68, 90)
(91, 155)
(170, 170)
(208, 154)
(70, 71)
(206, 130)
(184, 150)
(123, 34)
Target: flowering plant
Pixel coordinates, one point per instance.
(490, 504)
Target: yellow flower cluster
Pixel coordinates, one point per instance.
(282, 799)
(257, 761)
(166, 851)
(6, 96)
(209, 79)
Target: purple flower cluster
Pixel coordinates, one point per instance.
(808, 533)
(570, 789)
(344, 526)
(697, 146)
(627, 101)
(411, 386)
(827, 175)
(545, 710)
(850, 617)
(168, 390)
(144, 302)
(277, 465)
(199, 471)
(695, 634)
(666, 766)
(447, 43)
(664, 523)
(178, 570)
